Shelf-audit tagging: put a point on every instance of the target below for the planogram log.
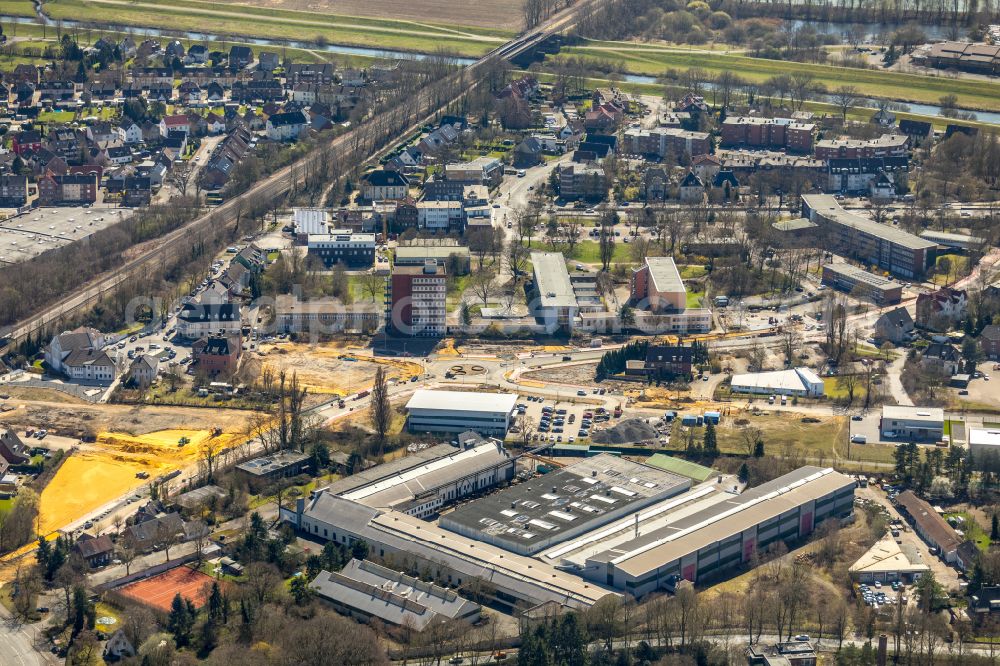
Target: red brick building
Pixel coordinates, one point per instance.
(753, 132)
(71, 189)
(416, 300)
(989, 341)
(214, 356)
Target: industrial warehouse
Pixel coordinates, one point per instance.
(597, 527)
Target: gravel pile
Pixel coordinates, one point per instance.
(628, 431)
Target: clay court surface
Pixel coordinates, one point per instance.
(158, 591)
(502, 14)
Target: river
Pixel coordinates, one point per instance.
(990, 117)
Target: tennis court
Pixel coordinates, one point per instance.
(158, 591)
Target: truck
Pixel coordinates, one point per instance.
(363, 394)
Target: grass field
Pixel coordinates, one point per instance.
(17, 8)
(43, 35)
(505, 14)
(824, 442)
(655, 60)
(191, 15)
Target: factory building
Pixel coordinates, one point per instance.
(531, 516)
(701, 544)
(457, 411)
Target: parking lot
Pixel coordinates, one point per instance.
(570, 413)
(26, 236)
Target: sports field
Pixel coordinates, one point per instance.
(158, 591)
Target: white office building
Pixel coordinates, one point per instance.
(458, 411)
(801, 382)
(984, 442)
(912, 424)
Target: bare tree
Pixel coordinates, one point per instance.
(845, 97)
(482, 285)
(373, 284)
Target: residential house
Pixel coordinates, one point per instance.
(69, 189)
(240, 57)
(118, 647)
(95, 551)
(667, 361)
(942, 309)
(895, 326)
(286, 126)
(656, 183)
(12, 450)
(143, 370)
(528, 153)
(91, 366)
(196, 321)
(151, 534)
(130, 133)
(175, 123)
(64, 344)
(13, 190)
(382, 185)
(984, 603)
(268, 61)
(197, 54)
(217, 355)
(989, 342)
(137, 191)
(26, 142)
(691, 188)
(943, 357)
(916, 129)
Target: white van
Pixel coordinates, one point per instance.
(859, 439)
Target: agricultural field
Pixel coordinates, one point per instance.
(504, 14)
(654, 60)
(17, 8)
(196, 15)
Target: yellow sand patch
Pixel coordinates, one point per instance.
(84, 483)
(555, 348)
(90, 479)
(447, 348)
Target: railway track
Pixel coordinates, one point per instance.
(347, 148)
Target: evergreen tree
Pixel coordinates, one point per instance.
(299, 587)
(758, 449)
(215, 603)
(43, 553)
(744, 473)
(995, 528)
(181, 620)
(710, 444)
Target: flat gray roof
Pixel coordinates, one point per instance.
(913, 413)
(555, 290)
(391, 596)
(664, 274)
(414, 252)
(562, 502)
(426, 541)
(403, 486)
(828, 206)
(267, 464)
(861, 275)
(462, 401)
(722, 520)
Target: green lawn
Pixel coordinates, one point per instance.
(692, 271)
(276, 24)
(359, 294)
(972, 529)
(56, 117)
(694, 298)
(860, 114)
(17, 8)
(589, 252)
(654, 60)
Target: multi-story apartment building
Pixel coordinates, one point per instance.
(887, 145)
(754, 132)
(664, 140)
(416, 300)
(887, 247)
(354, 250)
